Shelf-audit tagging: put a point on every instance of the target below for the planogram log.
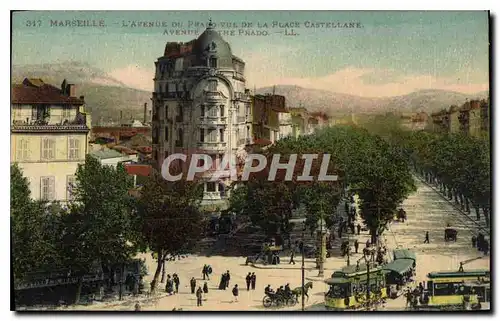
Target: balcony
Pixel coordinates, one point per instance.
(213, 96)
(242, 119)
(78, 124)
(207, 120)
(212, 145)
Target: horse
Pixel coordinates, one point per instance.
(298, 291)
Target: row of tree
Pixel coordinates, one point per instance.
(372, 168)
(104, 224)
(459, 164)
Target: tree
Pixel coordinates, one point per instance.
(170, 219)
(34, 229)
(99, 226)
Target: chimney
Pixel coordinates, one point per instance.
(72, 90)
(145, 112)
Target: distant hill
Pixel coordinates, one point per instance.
(332, 103)
(106, 96)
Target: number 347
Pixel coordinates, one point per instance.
(33, 23)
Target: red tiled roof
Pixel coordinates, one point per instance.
(125, 150)
(139, 170)
(41, 93)
(262, 142)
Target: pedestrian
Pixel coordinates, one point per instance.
(291, 258)
(228, 278)
(205, 288)
(199, 296)
(426, 237)
(346, 207)
(137, 307)
(356, 245)
(169, 285)
(486, 247)
(352, 228)
(222, 284)
(474, 240)
(177, 281)
(254, 280)
(359, 228)
(209, 271)
(367, 243)
(235, 292)
(204, 271)
(249, 280)
(193, 285)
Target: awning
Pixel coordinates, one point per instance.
(399, 266)
(404, 254)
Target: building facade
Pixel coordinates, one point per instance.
(49, 136)
(265, 116)
(472, 118)
(200, 102)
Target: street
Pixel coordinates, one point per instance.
(426, 211)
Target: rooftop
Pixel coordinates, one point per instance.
(35, 91)
(106, 153)
(138, 169)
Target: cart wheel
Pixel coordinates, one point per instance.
(291, 302)
(267, 302)
(279, 302)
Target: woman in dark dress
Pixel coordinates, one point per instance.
(222, 284)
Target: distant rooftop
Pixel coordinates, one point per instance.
(106, 153)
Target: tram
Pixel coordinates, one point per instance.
(456, 290)
(348, 287)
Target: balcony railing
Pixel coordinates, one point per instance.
(79, 124)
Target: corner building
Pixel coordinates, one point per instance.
(201, 103)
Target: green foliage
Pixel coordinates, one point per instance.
(99, 226)
(34, 229)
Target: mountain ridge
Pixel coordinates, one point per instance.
(105, 95)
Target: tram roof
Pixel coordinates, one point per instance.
(399, 266)
(404, 254)
(457, 274)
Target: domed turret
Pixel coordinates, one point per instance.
(211, 50)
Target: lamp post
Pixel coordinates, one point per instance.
(303, 268)
(368, 256)
(321, 233)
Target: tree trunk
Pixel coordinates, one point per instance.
(163, 272)
(478, 216)
(455, 194)
(450, 194)
(157, 272)
(467, 206)
(78, 290)
(373, 235)
(486, 216)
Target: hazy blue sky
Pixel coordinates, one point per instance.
(393, 53)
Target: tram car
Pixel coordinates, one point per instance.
(460, 290)
(400, 272)
(347, 288)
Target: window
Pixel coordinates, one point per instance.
(47, 188)
(171, 87)
(222, 110)
(211, 187)
(22, 149)
(179, 117)
(66, 113)
(212, 111)
(202, 109)
(213, 62)
(74, 148)
(221, 135)
(179, 142)
(212, 135)
(70, 187)
(166, 111)
(48, 149)
(248, 131)
(166, 133)
(202, 135)
(212, 85)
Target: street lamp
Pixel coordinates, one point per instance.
(368, 255)
(321, 234)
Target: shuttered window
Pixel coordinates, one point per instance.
(70, 187)
(48, 149)
(73, 148)
(22, 149)
(47, 188)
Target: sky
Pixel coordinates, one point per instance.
(387, 54)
